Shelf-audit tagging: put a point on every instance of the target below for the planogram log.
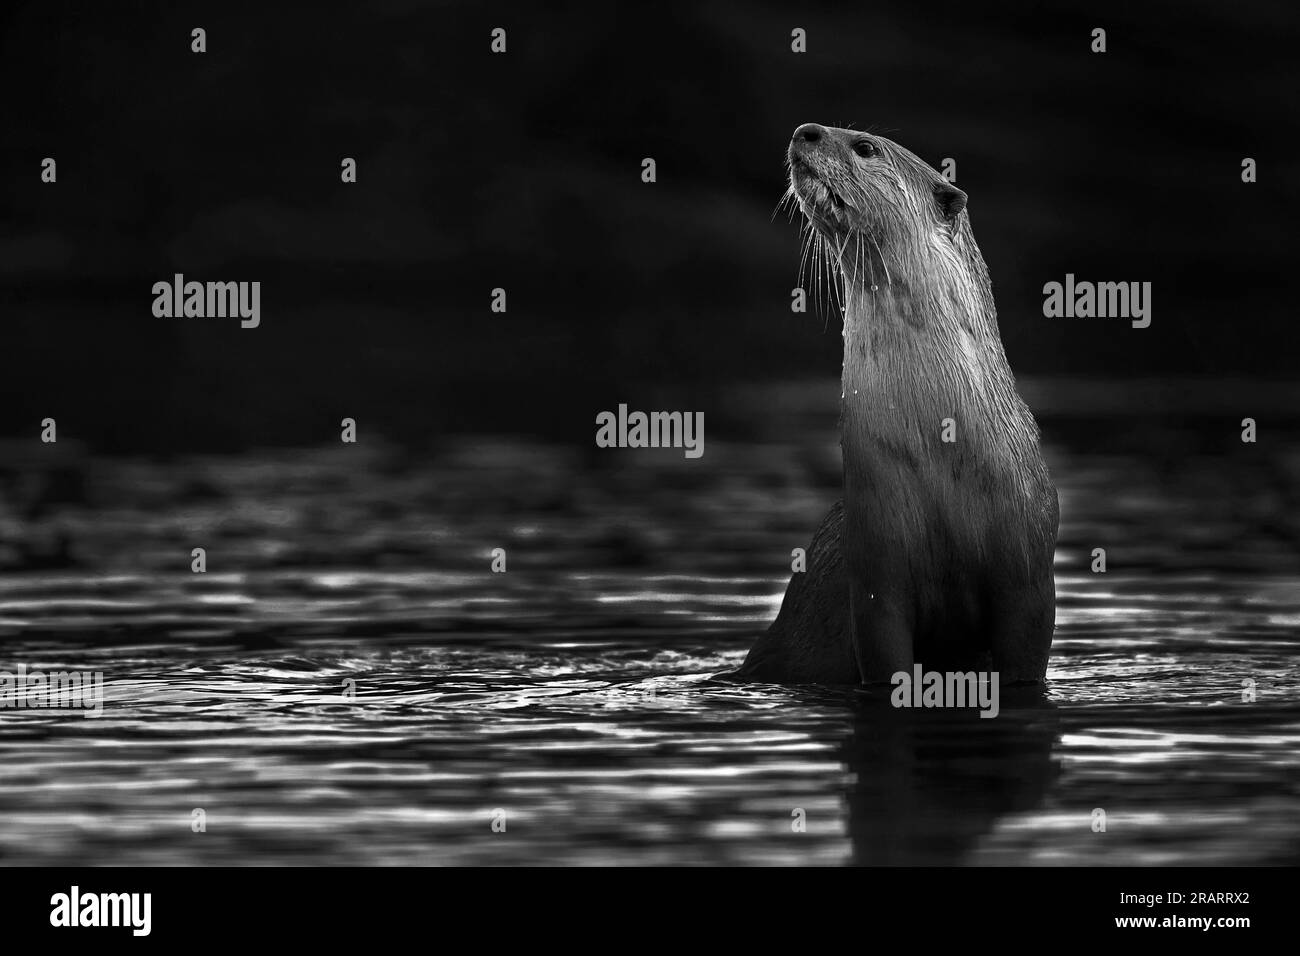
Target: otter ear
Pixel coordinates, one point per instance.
(951, 200)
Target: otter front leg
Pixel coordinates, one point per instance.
(809, 642)
(882, 632)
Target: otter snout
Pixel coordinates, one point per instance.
(808, 139)
(819, 162)
(808, 133)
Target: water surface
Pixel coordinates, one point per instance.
(576, 691)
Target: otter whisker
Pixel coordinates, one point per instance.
(805, 254)
(889, 280)
(788, 199)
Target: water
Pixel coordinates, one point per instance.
(577, 691)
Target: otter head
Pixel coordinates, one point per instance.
(873, 201)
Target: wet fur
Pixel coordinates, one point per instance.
(942, 552)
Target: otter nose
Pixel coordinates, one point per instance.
(808, 133)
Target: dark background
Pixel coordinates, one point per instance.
(523, 171)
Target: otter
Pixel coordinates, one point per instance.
(941, 551)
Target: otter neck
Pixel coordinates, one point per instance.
(921, 348)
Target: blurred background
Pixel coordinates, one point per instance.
(522, 171)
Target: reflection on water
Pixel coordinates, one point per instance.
(577, 691)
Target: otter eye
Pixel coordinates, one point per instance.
(865, 149)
